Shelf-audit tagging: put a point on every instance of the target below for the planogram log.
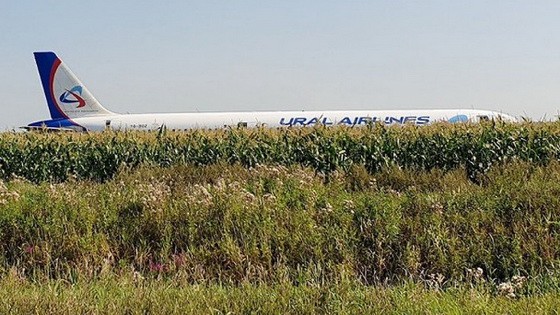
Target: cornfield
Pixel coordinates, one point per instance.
(57, 157)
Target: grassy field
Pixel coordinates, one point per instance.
(129, 296)
(163, 229)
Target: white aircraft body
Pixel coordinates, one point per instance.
(73, 107)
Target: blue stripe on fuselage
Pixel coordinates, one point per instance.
(55, 123)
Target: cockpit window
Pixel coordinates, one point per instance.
(483, 118)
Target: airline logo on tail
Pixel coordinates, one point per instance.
(66, 96)
(73, 96)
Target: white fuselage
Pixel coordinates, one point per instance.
(185, 121)
(73, 107)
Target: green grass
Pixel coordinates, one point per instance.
(271, 224)
(126, 295)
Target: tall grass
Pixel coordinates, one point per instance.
(273, 224)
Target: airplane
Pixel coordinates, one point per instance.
(72, 107)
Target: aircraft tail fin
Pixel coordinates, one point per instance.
(66, 96)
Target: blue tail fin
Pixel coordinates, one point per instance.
(66, 96)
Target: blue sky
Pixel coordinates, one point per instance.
(179, 56)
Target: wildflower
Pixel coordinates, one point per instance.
(438, 208)
(275, 171)
(249, 197)
(435, 281)
(518, 281)
(220, 184)
(476, 275)
(269, 197)
(156, 267)
(235, 185)
(29, 249)
(479, 272)
(204, 191)
(179, 260)
(348, 204)
(328, 207)
(506, 289)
